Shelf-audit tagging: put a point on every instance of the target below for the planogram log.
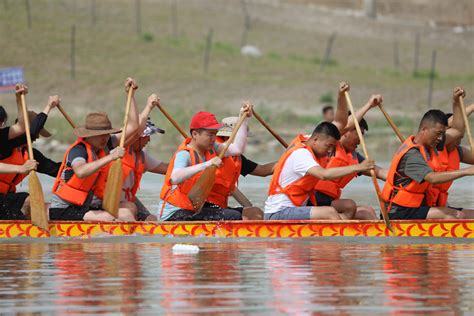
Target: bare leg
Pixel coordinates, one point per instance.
(101, 216)
(444, 213)
(365, 212)
(324, 212)
(468, 213)
(26, 208)
(345, 207)
(151, 218)
(252, 213)
(127, 211)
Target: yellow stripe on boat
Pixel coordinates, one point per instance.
(263, 229)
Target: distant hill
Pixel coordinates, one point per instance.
(288, 84)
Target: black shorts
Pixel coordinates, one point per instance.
(71, 213)
(209, 212)
(405, 213)
(323, 199)
(11, 205)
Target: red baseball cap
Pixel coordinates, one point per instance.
(205, 120)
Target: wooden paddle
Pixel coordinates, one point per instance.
(237, 194)
(113, 187)
(466, 123)
(39, 215)
(392, 124)
(372, 172)
(268, 127)
(203, 186)
(66, 116)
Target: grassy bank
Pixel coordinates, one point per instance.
(286, 84)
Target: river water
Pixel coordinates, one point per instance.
(142, 275)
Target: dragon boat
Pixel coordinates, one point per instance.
(234, 229)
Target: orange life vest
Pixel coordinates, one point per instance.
(76, 190)
(443, 161)
(226, 180)
(300, 190)
(177, 195)
(129, 164)
(413, 194)
(9, 181)
(133, 162)
(341, 158)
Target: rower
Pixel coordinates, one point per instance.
(411, 174)
(79, 187)
(16, 205)
(298, 171)
(448, 157)
(193, 156)
(328, 192)
(328, 113)
(136, 162)
(227, 175)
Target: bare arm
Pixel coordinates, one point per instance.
(341, 116)
(82, 169)
(380, 173)
(143, 117)
(443, 177)
(335, 173)
(467, 156)
(374, 101)
(132, 125)
(179, 175)
(264, 170)
(28, 166)
(237, 148)
(457, 129)
(161, 168)
(18, 128)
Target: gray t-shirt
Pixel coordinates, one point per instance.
(79, 154)
(412, 167)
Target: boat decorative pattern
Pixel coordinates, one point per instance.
(263, 229)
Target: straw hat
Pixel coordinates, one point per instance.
(97, 123)
(229, 125)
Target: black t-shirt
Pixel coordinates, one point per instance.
(248, 166)
(46, 165)
(4, 142)
(7, 145)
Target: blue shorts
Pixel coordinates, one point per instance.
(290, 213)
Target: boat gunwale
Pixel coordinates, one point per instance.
(273, 222)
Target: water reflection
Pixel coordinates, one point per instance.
(236, 277)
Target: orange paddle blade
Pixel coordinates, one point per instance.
(113, 188)
(39, 216)
(201, 189)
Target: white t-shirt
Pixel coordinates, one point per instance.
(150, 164)
(296, 167)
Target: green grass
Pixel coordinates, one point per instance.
(286, 83)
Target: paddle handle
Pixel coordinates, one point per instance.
(125, 120)
(392, 124)
(466, 124)
(175, 124)
(66, 116)
(270, 129)
(232, 136)
(27, 126)
(372, 172)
